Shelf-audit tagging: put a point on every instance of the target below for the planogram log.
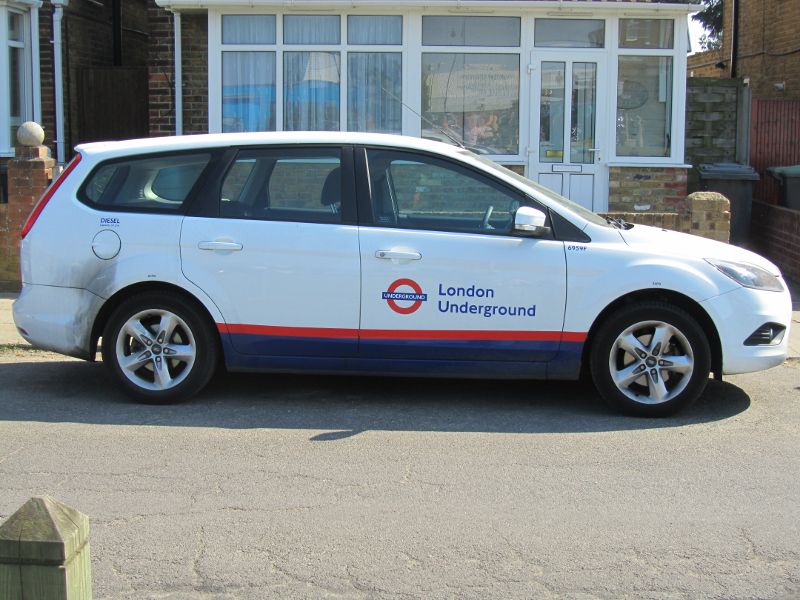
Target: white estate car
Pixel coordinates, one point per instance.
(361, 253)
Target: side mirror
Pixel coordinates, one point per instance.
(531, 221)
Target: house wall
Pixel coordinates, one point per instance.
(768, 48)
(647, 189)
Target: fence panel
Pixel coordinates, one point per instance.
(774, 142)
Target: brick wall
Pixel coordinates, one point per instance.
(28, 176)
(655, 189)
(767, 46)
(775, 233)
(194, 47)
(707, 215)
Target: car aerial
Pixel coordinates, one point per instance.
(376, 254)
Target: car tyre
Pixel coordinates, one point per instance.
(650, 359)
(159, 348)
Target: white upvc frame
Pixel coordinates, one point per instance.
(412, 49)
(216, 48)
(31, 94)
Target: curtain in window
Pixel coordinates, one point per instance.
(372, 30)
(248, 29)
(311, 29)
(248, 91)
(311, 91)
(374, 90)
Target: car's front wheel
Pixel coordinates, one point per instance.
(159, 348)
(650, 359)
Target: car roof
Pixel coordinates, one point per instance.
(100, 150)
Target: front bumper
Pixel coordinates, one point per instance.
(57, 318)
(737, 315)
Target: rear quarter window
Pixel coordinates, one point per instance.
(158, 183)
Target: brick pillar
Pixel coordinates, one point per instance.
(29, 174)
(710, 213)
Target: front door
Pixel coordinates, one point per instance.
(565, 154)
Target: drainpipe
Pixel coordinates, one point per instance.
(58, 77)
(734, 36)
(176, 23)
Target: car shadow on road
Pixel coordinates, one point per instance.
(338, 406)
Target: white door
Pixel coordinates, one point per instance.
(280, 261)
(567, 139)
(444, 277)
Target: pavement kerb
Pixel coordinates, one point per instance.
(9, 335)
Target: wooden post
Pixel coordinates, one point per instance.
(44, 553)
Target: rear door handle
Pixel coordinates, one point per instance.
(224, 246)
(397, 255)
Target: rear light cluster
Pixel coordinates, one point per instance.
(37, 210)
(769, 334)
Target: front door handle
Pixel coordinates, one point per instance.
(223, 246)
(397, 255)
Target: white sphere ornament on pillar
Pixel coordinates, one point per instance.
(30, 134)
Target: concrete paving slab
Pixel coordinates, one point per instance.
(8, 331)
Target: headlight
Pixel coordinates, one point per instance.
(748, 275)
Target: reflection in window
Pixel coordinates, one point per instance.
(551, 113)
(374, 30)
(569, 33)
(311, 91)
(420, 192)
(284, 185)
(474, 98)
(374, 90)
(311, 29)
(646, 33)
(470, 31)
(644, 106)
(584, 105)
(248, 29)
(248, 91)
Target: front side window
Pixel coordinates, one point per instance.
(474, 98)
(644, 106)
(154, 183)
(284, 185)
(422, 192)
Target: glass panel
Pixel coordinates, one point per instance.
(311, 91)
(584, 112)
(248, 29)
(284, 185)
(646, 33)
(311, 29)
(420, 192)
(569, 33)
(156, 183)
(474, 98)
(644, 106)
(374, 90)
(15, 29)
(374, 30)
(248, 91)
(470, 31)
(551, 113)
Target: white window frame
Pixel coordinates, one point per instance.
(412, 49)
(31, 109)
(678, 119)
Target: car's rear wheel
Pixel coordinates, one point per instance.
(159, 348)
(650, 359)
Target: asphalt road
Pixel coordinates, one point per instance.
(309, 487)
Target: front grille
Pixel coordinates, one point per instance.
(769, 334)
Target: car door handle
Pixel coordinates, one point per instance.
(397, 255)
(224, 246)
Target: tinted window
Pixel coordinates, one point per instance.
(421, 192)
(159, 183)
(284, 185)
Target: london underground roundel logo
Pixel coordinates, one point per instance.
(415, 296)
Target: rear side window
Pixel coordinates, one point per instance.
(284, 185)
(154, 183)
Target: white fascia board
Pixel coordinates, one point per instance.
(558, 7)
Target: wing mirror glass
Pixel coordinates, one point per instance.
(531, 221)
